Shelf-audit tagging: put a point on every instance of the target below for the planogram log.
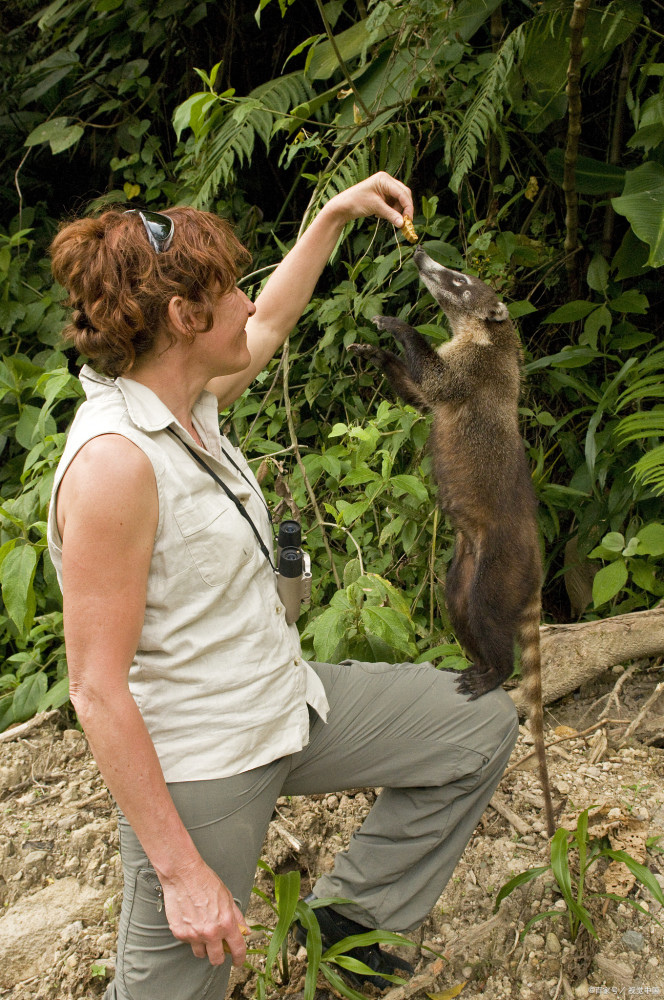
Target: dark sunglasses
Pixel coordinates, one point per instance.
(159, 228)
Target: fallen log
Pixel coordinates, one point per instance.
(576, 653)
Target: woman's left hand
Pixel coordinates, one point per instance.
(381, 195)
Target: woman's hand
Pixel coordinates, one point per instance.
(381, 195)
(201, 911)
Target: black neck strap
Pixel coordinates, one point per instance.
(229, 493)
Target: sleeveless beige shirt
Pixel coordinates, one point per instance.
(218, 675)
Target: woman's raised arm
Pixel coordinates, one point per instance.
(290, 287)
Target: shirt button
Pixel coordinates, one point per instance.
(278, 609)
(296, 661)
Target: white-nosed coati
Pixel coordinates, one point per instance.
(471, 384)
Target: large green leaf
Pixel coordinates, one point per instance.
(58, 132)
(591, 176)
(18, 570)
(609, 581)
(642, 203)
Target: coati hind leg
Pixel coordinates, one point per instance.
(395, 371)
(485, 628)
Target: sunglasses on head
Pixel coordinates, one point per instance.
(159, 228)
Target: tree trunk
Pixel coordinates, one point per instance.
(574, 654)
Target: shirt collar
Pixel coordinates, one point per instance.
(145, 409)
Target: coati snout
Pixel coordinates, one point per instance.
(471, 384)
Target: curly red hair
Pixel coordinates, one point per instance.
(120, 288)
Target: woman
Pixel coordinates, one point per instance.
(185, 676)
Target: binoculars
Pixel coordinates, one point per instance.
(293, 570)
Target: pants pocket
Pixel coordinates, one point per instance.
(143, 935)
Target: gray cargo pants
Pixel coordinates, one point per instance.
(402, 726)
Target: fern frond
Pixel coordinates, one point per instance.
(340, 174)
(641, 425)
(649, 469)
(396, 151)
(484, 115)
(228, 141)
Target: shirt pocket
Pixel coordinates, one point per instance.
(216, 537)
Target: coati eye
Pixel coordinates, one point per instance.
(458, 283)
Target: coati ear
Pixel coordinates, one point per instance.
(498, 313)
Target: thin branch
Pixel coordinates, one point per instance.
(296, 449)
(19, 731)
(634, 725)
(616, 142)
(340, 60)
(333, 524)
(565, 739)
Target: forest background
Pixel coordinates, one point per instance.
(532, 135)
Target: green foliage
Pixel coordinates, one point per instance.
(114, 102)
(571, 874)
(289, 909)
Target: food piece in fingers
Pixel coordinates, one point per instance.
(408, 229)
(244, 931)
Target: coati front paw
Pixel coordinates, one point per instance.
(368, 351)
(391, 324)
(476, 681)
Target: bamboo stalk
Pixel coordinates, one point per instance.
(577, 24)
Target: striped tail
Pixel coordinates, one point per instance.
(531, 683)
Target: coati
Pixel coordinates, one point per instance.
(471, 384)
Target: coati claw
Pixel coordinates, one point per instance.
(395, 326)
(475, 682)
(365, 350)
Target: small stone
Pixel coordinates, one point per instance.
(582, 990)
(10, 776)
(633, 940)
(533, 942)
(553, 944)
(466, 972)
(72, 737)
(34, 859)
(67, 822)
(71, 930)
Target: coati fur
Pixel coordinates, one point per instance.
(471, 384)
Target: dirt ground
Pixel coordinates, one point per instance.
(57, 823)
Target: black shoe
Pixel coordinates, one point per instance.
(335, 927)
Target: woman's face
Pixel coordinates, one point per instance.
(225, 343)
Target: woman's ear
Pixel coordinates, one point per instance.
(178, 316)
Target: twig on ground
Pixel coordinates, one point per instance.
(501, 807)
(633, 726)
(423, 981)
(565, 739)
(18, 731)
(97, 797)
(292, 841)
